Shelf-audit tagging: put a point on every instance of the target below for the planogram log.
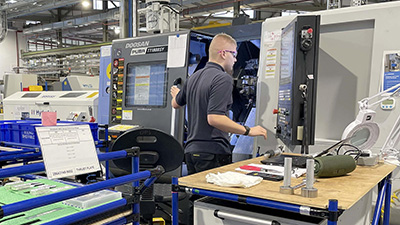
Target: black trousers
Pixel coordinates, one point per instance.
(198, 162)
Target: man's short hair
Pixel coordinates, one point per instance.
(225, 37)
(219, 43)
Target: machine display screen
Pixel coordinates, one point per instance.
(287, 55)
(73, 95)
(146, 85)
(30, 95)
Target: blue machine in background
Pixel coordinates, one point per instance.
(104, 92)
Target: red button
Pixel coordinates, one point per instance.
(275, 111)
(310, 30)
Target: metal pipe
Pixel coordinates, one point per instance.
(274, 204)
(88, 213)
(175, 214)
(57, 197)
(310, 174)
(39, 167)
(333, 208)
(135, 18)
(17, 152)
(20, 156)
(135, 184)
(107, 144)
(287, 178)
(17, 46)
(379, 202)
(388, 198)
(215, 194)
(3, 25)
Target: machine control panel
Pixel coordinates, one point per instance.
(297, 82)
(117, 90)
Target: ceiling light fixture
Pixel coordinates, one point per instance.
(85, 3)
(117, 30)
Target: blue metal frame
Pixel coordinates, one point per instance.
(72, 193)
(175, 219)
(333, 208)
(39, 167)
(135, 184)
(107, 163)
(17, 152)
(384, 195)
(20, 156)
(7, 143)
(333, 212)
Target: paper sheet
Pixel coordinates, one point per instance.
(176, 51)
(68, 150)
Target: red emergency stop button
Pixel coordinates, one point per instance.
(310, 30)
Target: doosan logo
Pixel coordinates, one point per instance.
(137, 44)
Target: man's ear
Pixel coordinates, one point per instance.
(223, 55)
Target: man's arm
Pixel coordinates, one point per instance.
(174, 91)
(225, 124)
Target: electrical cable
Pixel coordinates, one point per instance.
(304, 147)
(172, 9)
(356, 150)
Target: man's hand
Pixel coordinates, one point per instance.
(174, 91)
(258, 131)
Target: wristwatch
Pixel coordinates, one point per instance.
(247, 130)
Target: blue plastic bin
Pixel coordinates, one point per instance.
(23, 131)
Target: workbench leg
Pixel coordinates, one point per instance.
(175, 214)
(379, 201)
(388, 197)
(107, 143)
(333, 212)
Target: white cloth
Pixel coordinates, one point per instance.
(233, 179)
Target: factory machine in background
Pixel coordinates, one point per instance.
(69, 105)
(80, 83)
(104, 85)
(144, 69)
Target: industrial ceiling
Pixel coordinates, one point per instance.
(41, 18)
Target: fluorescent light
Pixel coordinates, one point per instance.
(117, 30)
(85, 3)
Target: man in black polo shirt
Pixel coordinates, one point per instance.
(208, 96)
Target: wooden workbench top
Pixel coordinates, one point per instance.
(346, 189)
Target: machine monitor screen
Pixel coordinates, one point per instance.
(287, 55)
(146, 85)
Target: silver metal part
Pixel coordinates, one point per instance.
(310, 174)
(287, 172)
(305, 210)
(286, 190)
(309, 192)
(241, 218)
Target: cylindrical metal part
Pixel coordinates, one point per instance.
(310, 174)
(309, 192)
(286, 190)
(287, 172)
